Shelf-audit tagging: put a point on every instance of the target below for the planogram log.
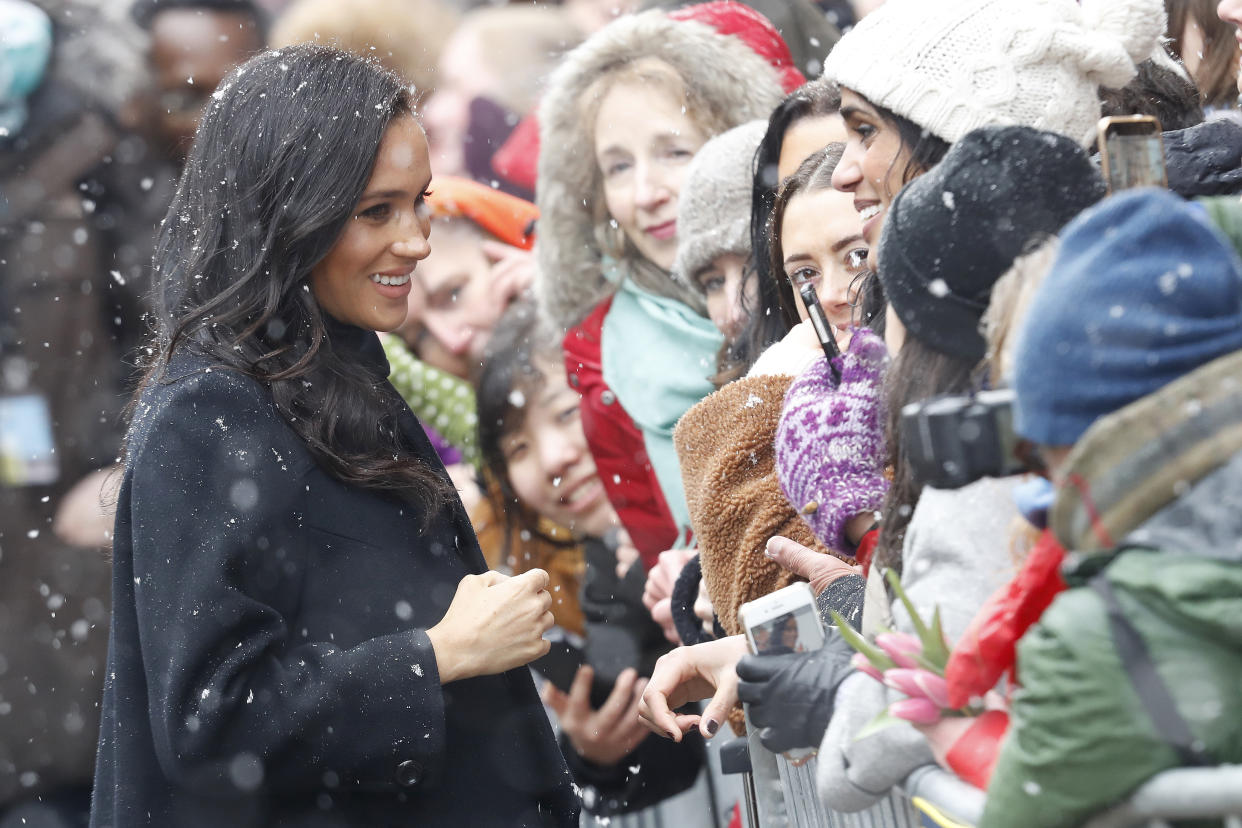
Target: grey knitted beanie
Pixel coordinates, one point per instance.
(713, 207)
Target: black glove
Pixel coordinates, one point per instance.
(791, 696)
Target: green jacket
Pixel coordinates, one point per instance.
(1163, 477)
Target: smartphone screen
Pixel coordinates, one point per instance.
(792, 632)
(1132, 154)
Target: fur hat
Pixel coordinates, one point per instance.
(955, 65)
(734, 83)
(713, 209)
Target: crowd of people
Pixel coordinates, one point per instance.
(399, 400)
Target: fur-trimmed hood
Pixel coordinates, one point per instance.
(737, 85)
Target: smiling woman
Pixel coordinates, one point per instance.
(365, 278)
(817, 239)
(303, 628)
(643, 145)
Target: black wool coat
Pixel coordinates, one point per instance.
(268, 661)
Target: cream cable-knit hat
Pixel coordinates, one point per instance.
(952, 66)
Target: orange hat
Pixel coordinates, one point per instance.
(508, 218)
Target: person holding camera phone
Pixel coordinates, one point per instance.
(533, 446)
(304, 630)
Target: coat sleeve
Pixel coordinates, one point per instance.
(234, 695)
(854, 773)
(728, 463)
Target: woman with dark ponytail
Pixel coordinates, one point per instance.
(304, 631)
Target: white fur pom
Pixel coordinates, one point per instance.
(1137, 24)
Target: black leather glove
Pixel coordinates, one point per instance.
(791, 696)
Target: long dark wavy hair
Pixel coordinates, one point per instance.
(765, 322)
(917, 372)
(283, 154)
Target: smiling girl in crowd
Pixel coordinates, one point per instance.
(533, 445)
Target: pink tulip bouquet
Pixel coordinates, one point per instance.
(910, 664)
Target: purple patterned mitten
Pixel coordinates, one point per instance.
(830, 441)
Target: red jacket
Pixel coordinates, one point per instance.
(988, 649)
(617, 444)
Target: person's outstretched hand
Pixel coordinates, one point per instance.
(819, 568)
(604, 736)
(659, 589)
(689, 674)
(830, 450)
(791, 696)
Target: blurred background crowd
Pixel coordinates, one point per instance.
(606, 344)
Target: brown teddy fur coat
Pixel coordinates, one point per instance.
(728, 464)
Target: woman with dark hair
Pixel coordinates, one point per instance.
(303, 630)
(726, 444)
(807, 120)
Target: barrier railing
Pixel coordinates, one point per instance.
(1185, 793)
(931, 797)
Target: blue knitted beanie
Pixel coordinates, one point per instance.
(1144, 290)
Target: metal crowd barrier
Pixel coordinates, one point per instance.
(1185, 793)
(931, 797)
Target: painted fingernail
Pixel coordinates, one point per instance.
(670, 735)
(712, 727)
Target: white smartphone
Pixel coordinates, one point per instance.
(785, 621)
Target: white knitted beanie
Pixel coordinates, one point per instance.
(713, 208)
(952, 66)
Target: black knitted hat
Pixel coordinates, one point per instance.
(952, 232)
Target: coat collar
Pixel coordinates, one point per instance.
(357, 345)
(1138, 461)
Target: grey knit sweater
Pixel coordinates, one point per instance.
(959, 549)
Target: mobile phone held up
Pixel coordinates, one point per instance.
(560, 665)
(1131, 152)
(785, 621)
